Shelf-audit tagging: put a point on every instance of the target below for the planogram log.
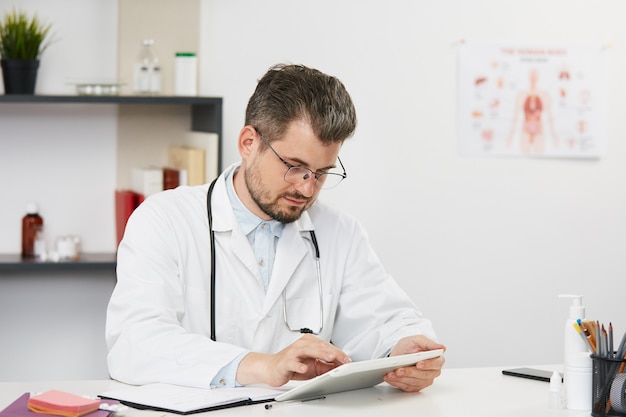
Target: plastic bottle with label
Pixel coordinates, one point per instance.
(186, 74)
(32, 227)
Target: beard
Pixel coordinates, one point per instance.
(270, 205)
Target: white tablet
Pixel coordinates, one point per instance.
(354, 375)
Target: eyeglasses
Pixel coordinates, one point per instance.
(299, 174)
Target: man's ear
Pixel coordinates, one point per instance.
(246, 141)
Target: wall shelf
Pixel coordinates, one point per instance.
(205, 114)
(111, 99)
(87, 262)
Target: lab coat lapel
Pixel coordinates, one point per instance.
(290, 251)
(224, 220)
(240, 247)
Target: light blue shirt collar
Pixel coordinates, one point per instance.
(248, 220)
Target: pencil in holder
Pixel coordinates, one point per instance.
(609, 386)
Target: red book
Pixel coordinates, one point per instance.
(171, 178)
(126, 201)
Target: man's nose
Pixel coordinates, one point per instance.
(307, 186)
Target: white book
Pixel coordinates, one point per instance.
(183, 177)
(147, 181)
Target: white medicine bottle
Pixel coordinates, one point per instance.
(147, 70)
(186, 74)
(556, 391)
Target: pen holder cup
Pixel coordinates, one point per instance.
(609, 386)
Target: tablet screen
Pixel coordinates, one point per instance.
(354, 375)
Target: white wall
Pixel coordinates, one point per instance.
(483, 246)
(62, 157)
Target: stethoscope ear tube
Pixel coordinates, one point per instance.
(212, 239)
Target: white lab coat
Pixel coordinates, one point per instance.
(158, 319)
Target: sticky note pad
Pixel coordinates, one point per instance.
(62, 404)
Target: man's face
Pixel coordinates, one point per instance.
(265, 172)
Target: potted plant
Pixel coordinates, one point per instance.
(22, 40)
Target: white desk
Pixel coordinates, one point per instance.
(456, 393)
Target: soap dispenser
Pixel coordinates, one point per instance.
(577, 364)
(573, 342)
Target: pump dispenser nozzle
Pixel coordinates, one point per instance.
(576, 310)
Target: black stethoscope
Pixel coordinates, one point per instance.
(284, 296)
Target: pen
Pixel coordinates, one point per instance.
(584, 325)
(590, 329)
(582, 334)
(275, 404)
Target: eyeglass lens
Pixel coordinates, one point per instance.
(298, 175)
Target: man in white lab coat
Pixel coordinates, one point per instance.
(298, 289)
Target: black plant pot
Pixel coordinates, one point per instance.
(19, 75)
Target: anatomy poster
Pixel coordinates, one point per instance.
(534, 100)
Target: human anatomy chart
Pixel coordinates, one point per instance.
(531, 100)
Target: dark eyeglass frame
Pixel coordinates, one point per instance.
(316, 175)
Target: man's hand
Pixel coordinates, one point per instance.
(306, 358)
(415, 378)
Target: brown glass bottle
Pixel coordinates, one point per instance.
(31, 224)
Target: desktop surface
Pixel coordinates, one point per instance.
(457, 392)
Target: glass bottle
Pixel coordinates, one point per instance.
(147, 71)
(32, 225)
(155, 78)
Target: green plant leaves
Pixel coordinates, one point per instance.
(22, 37)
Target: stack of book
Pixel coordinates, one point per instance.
(193, 164)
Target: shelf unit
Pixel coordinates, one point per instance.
(206, 116)
(206, 112)
(87, 262)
